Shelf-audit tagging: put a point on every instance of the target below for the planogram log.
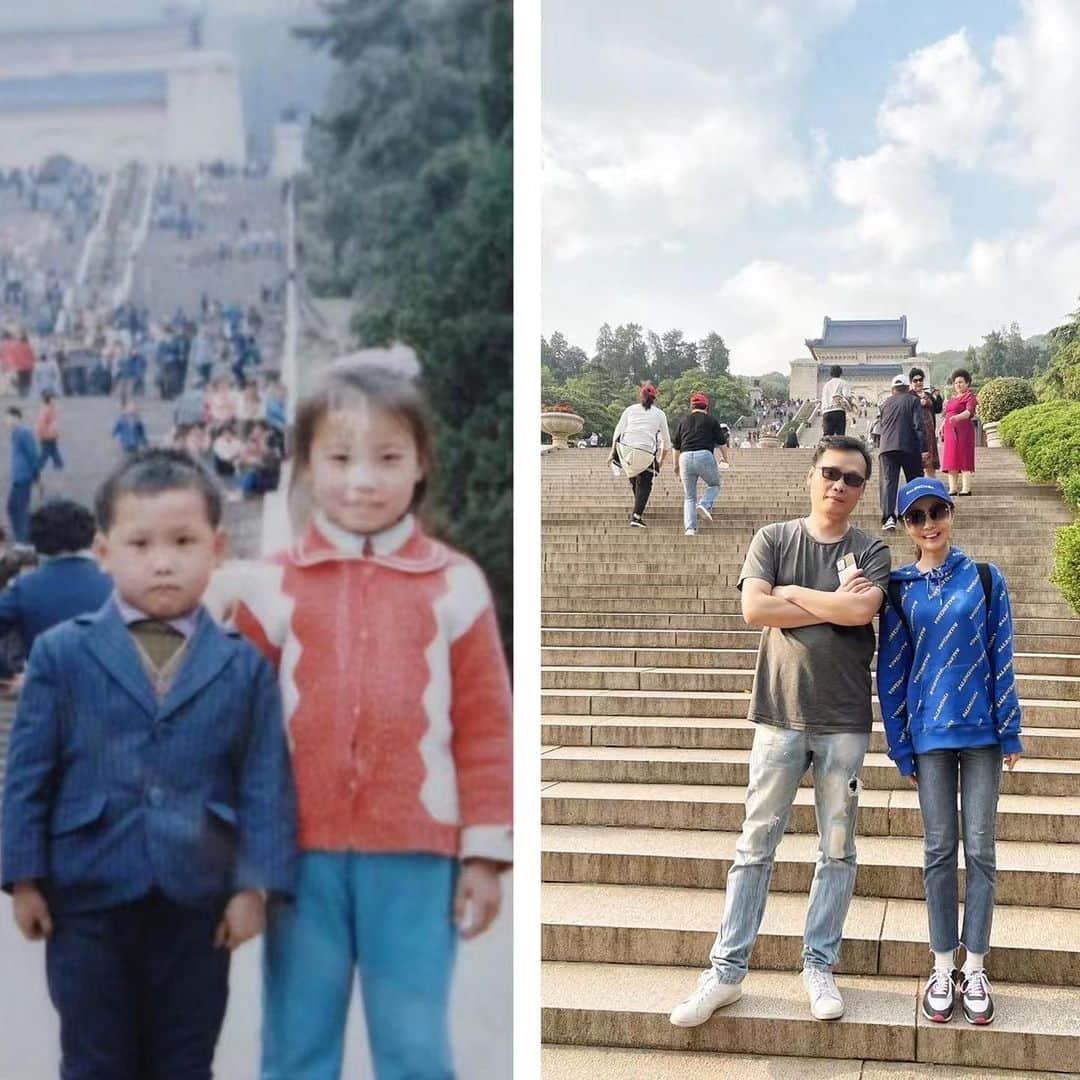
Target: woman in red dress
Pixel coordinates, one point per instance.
(958, 431)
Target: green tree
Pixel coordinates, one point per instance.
(1061, 379)
(728, 397)
(631, 356)
(713, 354)
(412, 192)
(563, 359)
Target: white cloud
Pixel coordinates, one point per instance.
(901, 212)
(940, 104)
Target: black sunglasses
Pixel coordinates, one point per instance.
(938, 512)
(832, 474)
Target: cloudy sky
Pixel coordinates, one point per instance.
(750, 166)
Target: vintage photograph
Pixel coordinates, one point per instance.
(256, 599)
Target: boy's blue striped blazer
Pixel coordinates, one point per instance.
(110, 793)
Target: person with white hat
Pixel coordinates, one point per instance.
(903, 443)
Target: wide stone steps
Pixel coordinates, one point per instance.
(647, 671)
(617, 1063)
(890, 867)
(1037, 1027)
(636, 924)
(888, 812)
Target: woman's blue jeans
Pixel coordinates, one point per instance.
(978, 770)
(695, 465)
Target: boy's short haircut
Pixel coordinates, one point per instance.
(61, 527)
(836, 371)
(843, 443)
(14, 410)
(153, 472)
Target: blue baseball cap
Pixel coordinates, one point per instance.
(918, 489)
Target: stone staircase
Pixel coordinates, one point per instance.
(647, 668)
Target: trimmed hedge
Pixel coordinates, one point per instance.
(999, 397)
(1047, 438)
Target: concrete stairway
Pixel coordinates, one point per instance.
(646, 679)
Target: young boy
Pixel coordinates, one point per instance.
(148, 805)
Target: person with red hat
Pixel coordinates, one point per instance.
(696, 438)
(639, 446)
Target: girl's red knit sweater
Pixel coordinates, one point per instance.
(395, 687)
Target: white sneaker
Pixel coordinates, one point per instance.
(889, 525)
(703, 512)
(690, 532)
(825, 1000)
(710, 995)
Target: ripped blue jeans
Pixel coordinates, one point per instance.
(778, 761)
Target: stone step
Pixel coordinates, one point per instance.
(628, 1005)
(890, 867)
(736, 733)
(1032, 653)
(591, 654)
(1053, 628)
(665, 765)
(619, 1063)
(1029, 687)
(634, 924)
(632, 604)
(728, 705)
(1034, 818)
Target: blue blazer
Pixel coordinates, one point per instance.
(110, 793)
(56, 591)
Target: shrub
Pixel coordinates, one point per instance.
(1047, 438)
(999, 397)
(1067, 563)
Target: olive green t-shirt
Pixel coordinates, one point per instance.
(813, 678)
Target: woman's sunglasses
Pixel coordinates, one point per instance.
(832, 474)
(937, 512)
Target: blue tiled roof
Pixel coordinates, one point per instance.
(95, 88)
(862, 333)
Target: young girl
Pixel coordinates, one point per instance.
(948, 696)
(398, 709)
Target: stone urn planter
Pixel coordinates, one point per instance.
(769, 442)
(993, 439)
(560, 426)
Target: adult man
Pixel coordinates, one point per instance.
(835, 402)
(903, 443)
(814, 585)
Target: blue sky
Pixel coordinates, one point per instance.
(754, 165)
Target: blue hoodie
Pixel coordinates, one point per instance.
(956, 687)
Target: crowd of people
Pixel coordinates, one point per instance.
(173, 790)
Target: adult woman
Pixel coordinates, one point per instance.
(959, 433)
(948, 695)
(640, 444)
(696, 437)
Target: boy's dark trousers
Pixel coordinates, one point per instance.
(140, 989)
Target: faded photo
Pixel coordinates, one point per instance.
(255, 571)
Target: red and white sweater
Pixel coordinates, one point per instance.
(395, 688)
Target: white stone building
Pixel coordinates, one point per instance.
(104, 93)
(870, 352)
